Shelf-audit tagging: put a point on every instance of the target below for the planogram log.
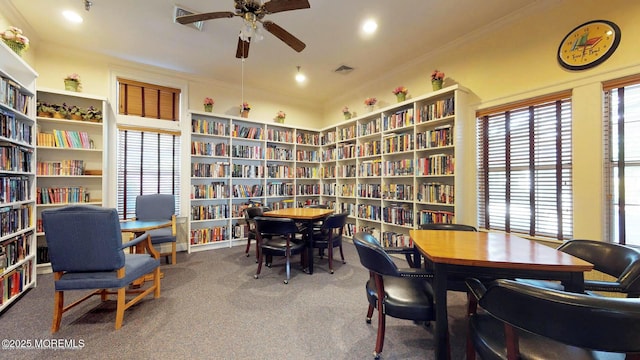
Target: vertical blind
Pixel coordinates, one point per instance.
(622, 159)
(148, 163)
(525, 167)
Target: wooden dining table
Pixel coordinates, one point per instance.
(139, 227)
(307, 216)
(458, 255)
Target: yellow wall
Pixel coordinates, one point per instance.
(513, 59)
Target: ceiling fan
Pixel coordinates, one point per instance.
(253, 12)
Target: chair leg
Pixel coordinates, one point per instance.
(381, 328)
(260, 256)
(330, 256)
(120, 307)
(246, 250)
(369, 314)
(288, 264)
(173, 253)
(156, 282)
(342, 254)
(58, 306)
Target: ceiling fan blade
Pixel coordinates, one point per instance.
(243, 49)
(188, 19)
(284, 35)
(275, 6)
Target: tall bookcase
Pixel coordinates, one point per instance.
(71, 158)
(395, 168)
(237, 162)
(17, 177)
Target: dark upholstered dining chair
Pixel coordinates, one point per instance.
(159, 207)
(329, 236)
(249, 214)
(87, 253)
(619, 261)
(400, 293)
(522, 321)
(276, 237)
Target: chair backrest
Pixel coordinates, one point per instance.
(252, 212)
(155, 206)
(372, 255)
(317, 206)
(585, 321)
(335, 221)
(442, 226)
(83, 238)
(275, 226)
(619, 261)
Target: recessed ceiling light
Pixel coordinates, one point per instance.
(72, 16)
(369, 26)
(300, 78)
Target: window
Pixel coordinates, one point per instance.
(622, 159)
(524, 167)
(148, 163)
(148, 157)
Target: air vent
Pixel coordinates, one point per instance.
(343, 69)
(179, 11)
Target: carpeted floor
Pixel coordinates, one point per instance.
(211, 307)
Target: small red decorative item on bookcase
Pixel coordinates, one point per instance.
(436, 79)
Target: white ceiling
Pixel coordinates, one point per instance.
(144, 31)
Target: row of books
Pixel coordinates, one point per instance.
(62, 167)
(208, 235)
(247, 152)
(214, 190)
(280, 135)
(14, 250)
(15, 158)
(247, 171)
(394, 239)
(372, 127)
(398, 214)
(69, 139)
(61, 195)
(14, 188)
(248, 191)
(400, 119)
(210, 149)
(436, 110)
(278, 153)
(307, 172)
(431, 216)
(436, 193)
(218, 169)
(42, 253)
(15, 129)
(308, 189)
(13, 282)
(371, 191)
(279, 171)
(439, 164)
(369, 212)
(346, 171)
(370, 168)
(369, 148)
(209, 127)
(398, 143)
(307, 155)
(349, 208)
(246, 132)
(280, 189)
(347, 133)
(307, 138)
(209, 212)
(346, 190)
(346, 151)
(438, 137)
(14, 96)
(397, 192)
(14, 219)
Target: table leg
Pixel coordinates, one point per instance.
(310, 245)
(442, 350)
(576, 283)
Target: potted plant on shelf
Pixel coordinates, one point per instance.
(401, 93)
(76, 113)
(347, 114)
(436, 79)
(280, 116)
(43, 109)
(369, 102)
(208, 104)
(244, 109)
(93, 114)
(59, 111)
(15, 40)
(72, 82)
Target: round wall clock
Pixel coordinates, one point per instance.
(588, 45)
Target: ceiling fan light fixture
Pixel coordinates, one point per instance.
(300, 77)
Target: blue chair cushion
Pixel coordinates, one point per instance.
(159, 236)
(136, 265)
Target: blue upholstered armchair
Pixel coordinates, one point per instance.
(159, 207)
(87, 253)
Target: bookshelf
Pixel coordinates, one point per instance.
(71, 159)
(17, 177)
(395, 168)
(235, 163)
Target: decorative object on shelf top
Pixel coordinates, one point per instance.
(72, 82)
(244, 109)
(347, 114)
(280, 116)
(208, 104)
(65, 111)
(436, 79)
(401, 93)
(370, 102)
(93, 114)
(15, 40)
